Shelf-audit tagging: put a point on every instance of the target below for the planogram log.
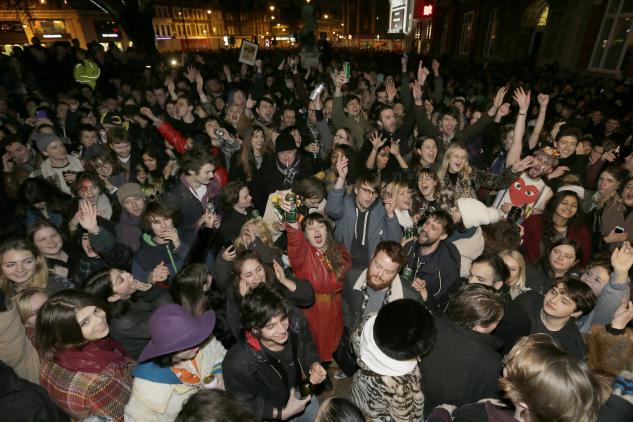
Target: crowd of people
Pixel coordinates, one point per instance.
(214, 241)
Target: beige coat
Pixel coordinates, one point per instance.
(153, 401)
(16, 349)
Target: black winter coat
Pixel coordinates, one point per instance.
(463, 367)
(251, 378)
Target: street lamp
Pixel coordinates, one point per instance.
(272, 18)
(325, 16)
(272, 8)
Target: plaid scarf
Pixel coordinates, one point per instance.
(289, 172)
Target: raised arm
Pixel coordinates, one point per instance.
(514, 153)
(543, 100)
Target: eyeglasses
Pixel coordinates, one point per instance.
(369, 192)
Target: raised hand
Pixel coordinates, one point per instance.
(417, 92)
(501, 93)
(423, 72)
(376, 139)
(622, 258)
(623, 315)
(524, 164)
(522, 98)
(390, 87)
(190, 74)
(87, 217)
(543, 99)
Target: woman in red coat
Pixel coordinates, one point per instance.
(315, 256)
(562, 218)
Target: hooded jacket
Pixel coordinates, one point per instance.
(150, 254)
(342, 209)
(440, 269)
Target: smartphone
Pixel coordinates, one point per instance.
(41, 114)
(618, 229)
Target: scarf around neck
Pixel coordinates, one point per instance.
(94, 357)
(289, 172)
(376, 360)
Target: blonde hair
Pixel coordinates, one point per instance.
(39, 279)
(519, 283)
(464, 173)
(393, 189)
(22, 302)
(262, 232)
(542, 376)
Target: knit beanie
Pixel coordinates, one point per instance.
(285, 142)
(43, 140)
(475, 213)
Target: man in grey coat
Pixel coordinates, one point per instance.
(362, 221)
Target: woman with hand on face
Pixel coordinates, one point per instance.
(385, 159)
(163, 247)
(402, 195)
(516, 265)
(238, 273)
(89, 187)
(181, 358)
(129, 303)
(99, 248)
(85, 371)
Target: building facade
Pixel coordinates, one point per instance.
(582, 35)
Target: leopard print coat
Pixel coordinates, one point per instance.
(386, 398)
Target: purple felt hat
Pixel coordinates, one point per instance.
(174, 329)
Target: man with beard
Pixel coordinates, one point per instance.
(529, 191)
(433, 261)
(376, 286)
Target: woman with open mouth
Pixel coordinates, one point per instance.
(315, 256)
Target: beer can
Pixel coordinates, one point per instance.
(291, 216)
(347, 69)
(317, 91)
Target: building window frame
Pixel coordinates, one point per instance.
(491, 33)
(608, 38)
(467, 32)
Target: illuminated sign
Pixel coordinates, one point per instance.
(428, 10)
(52, 36)
(110, 35)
